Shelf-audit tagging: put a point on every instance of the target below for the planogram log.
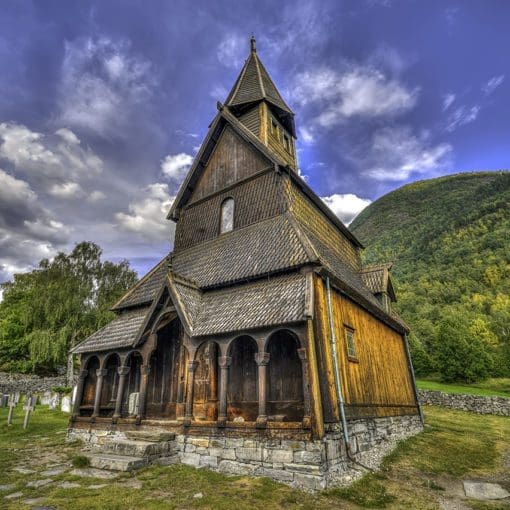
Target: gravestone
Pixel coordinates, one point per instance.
(30, 403)
(45, 398)
(54, 401)
(66, 404)
(4, 399)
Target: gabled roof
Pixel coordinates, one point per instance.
(222, 118)
(145, 289)
(254, 84)
(121, 332)
(377, 279)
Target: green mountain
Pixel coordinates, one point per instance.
(449, 239)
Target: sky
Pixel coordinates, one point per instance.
(103, 105)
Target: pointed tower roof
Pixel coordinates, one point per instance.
(254, 84)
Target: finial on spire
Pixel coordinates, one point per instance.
(253, 44)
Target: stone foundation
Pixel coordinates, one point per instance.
(310, 465)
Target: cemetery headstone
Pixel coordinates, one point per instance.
(66, 404)
(133, 403)
(30, 403)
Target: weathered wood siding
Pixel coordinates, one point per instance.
(255, 199)
(233, 159)
(309, 215)
(379, 382)
(274, 140)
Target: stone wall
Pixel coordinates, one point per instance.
(473, 403)
(25, 383)
(309, 465)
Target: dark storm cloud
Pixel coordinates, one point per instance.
(104, 104)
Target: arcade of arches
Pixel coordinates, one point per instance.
(252, 379)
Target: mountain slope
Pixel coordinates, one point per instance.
(449, 239)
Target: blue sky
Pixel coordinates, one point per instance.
(104, 104)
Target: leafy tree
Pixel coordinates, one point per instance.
(46, 311)
(460, 355)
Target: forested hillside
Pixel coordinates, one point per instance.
(449, 239)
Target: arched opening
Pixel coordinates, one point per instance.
(134, 362)
(110, 385)
(89, 387)
(167, 365)
(205, 392)
(227, 215)
(242, 399)
(285, 382)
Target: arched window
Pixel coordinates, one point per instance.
(227, 215)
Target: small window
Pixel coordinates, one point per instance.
(350, 344)
(274, 128)
(286, 142)
(227, 215)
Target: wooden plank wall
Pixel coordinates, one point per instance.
(379, 382)
(232, 160)
(275, 142)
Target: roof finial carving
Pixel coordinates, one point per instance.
(253, 44)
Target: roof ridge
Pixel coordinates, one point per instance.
(140, 282)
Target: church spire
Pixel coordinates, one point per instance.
(254, 85)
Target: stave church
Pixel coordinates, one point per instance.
(260, 345)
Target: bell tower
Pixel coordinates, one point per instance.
(256, 102)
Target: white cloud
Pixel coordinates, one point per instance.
(175, 166)
(66, 190)
(147, 214)
(96, 196)
(306, 135)
(489, 87)
(28, 232)
(461, 116)
(47, 157)
(102, 83)
(359, 91)
(346, 206)
(232, 50)
(448, 99)
(396, 153)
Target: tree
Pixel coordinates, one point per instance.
(461, 356)
(46, 311)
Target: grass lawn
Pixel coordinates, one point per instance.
(489, 388)
(424, 472)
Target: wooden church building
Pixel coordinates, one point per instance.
(260, 344)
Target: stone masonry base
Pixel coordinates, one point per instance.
(310, 465)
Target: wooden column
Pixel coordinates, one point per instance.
(79, 392)
(306, 387)
(212, 408)
(262, 360)
(142, 399)
(224, 363)
(123, 372)
(100, 373)
(188, 416)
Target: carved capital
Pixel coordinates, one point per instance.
(192, 366)
(101, 372)
(123, 370)
(302, 354)
(224, 361)
(83, 374)
(262, 358)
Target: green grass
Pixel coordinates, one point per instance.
(454, 446)
(489, 388)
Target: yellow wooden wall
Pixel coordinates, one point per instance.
(379, 383)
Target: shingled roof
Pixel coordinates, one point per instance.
(145, 289)
(121, 332)
(255, 84)
(259, 249)
(377, 279)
